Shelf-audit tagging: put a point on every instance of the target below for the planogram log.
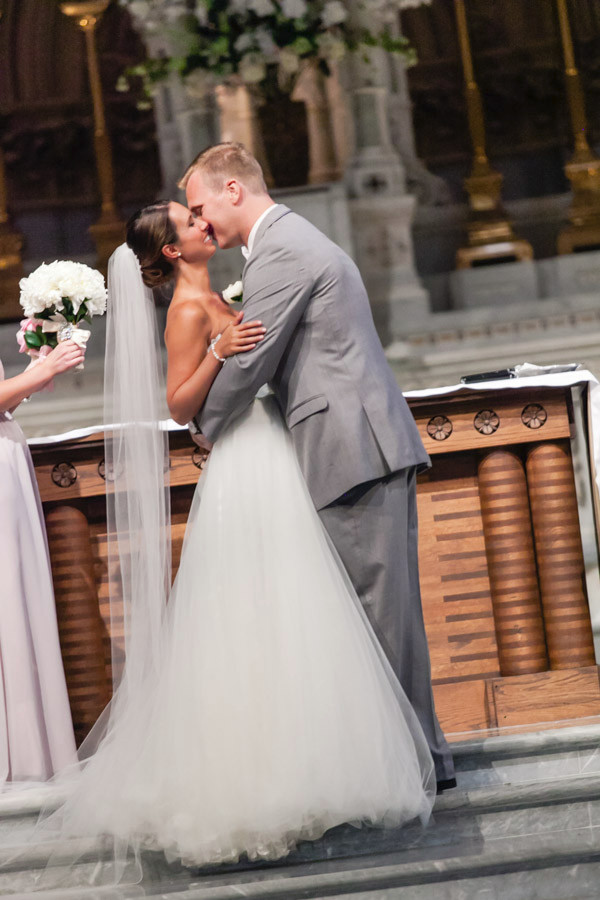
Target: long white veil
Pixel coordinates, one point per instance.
(138, 508)
(137, 466)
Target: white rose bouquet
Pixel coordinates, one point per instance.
(56, 299)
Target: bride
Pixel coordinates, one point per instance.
(255, 709)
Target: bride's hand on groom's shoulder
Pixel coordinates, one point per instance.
(240, 336)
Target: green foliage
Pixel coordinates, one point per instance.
(33, 339)
(226, 38)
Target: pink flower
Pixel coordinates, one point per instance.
(21, 342)
(31, 324)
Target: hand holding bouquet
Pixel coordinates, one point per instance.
(56, 298)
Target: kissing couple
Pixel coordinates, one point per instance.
(282, 686)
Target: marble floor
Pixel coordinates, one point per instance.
(523, 824)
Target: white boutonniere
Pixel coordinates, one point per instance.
(234, 293)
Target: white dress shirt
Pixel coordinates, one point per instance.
(247, 250)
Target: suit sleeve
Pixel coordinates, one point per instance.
(276, 291)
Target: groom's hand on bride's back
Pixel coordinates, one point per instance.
(240, 336)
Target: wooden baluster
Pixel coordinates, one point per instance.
(511, 564)
(79, 622)
(560, 556)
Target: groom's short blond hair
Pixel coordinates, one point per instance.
(227, 160)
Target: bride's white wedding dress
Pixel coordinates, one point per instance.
(273, 714)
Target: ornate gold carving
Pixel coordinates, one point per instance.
(490, 233)
(583, 169)
(87, 12)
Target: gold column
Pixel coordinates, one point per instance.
(583, 169)
(11, 265)
(490, 233)
(109, 230)
(11, 243)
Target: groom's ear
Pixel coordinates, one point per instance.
(233, 190)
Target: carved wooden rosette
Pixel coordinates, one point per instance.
(559, 556)
(511, 564)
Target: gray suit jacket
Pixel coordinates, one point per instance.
(323, 359)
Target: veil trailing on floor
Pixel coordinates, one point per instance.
(139, 565)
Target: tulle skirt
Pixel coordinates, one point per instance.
(274, 714)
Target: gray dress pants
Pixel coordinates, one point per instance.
(374, 529)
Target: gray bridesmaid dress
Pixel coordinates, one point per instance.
(36, 731)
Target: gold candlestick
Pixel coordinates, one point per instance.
(490, 234)
(11, 244)
(583, 169)
(109, 230)
(11, 264)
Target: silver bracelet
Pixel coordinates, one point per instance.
(213, 351)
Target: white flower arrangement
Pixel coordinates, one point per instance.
(243, 38)
(234, 293)
(55, 299)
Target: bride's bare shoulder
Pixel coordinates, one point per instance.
(187, 315)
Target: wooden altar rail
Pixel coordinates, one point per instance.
(502, 570)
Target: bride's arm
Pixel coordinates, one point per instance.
(191, 370)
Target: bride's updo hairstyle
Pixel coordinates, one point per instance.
(148, 230)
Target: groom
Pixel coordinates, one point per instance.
(355, 438)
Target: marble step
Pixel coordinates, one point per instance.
(512, 758)
(527, 809)
(477, 834)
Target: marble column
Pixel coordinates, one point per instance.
(238, 106)
(382, 210)
(311, 89)
(430, 189)
(187, 117)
